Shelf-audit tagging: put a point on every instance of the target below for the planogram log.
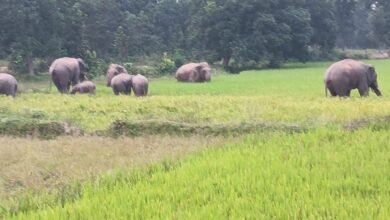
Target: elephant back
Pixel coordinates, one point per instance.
(187, 72)
(140, 85)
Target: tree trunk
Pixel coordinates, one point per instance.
(30, 66)
(226, 61)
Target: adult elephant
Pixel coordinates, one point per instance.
(121, 83)
(113, 70)
(8, 84)
(140, 85)
(194, 72)
(67, 71)
(343, 76)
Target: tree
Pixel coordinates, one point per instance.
(381, 23)
(323, 22)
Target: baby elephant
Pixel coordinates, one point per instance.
(8, 84)
(84, 87)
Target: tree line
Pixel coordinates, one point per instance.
(239, 33)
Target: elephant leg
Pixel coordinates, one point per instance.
(68, 87)
(363, 91)
(146, 90)
(115, 90)
(15, 89)
(128, 89)
(58, 85)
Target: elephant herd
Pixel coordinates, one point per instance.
(68, 71)
(340, 78)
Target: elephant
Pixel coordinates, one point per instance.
(84, 87)
(194, 72)
(113, 70)
(66, 71)
(140, 85)
(343, 76)
(121, 83)
(8, 84)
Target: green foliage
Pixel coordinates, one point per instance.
(121, 43)
(380, 23)
(148, 71)
(243, 34)
(17, 64)
(178, 58)
(96, 66)
(167, 66)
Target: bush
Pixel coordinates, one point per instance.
(148, 71)
(167, 66)
(178, 58)
(17, 64)
(96, 65)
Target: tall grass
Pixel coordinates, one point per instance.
(319, 174)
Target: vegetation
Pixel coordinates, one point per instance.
(290, 96)
(242, 34)
(264, 144)
(318, 174)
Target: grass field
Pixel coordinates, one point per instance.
(314, 175)
(286, 150)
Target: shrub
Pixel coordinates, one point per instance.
(167, 66)
(97, 66)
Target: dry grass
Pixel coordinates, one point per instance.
(32, 165)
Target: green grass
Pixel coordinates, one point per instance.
(335, 165)
(294, 94)
(314, 175)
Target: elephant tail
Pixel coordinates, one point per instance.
(326, 91)
(15, 90)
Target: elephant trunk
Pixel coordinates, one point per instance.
(377, 91)
(374, 87)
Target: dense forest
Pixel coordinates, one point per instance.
(238, 33)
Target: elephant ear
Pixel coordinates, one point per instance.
(83, 66)
(120, 69)
(200, 71)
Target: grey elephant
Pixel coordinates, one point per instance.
(343, 76)
(140, 85)
(121, 83)
(84, 87)
(67, 71)
(8, 84)
(113, 70)
(194, 72)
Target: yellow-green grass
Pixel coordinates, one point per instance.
(32, 166)
(320, 174)
(294, 94)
